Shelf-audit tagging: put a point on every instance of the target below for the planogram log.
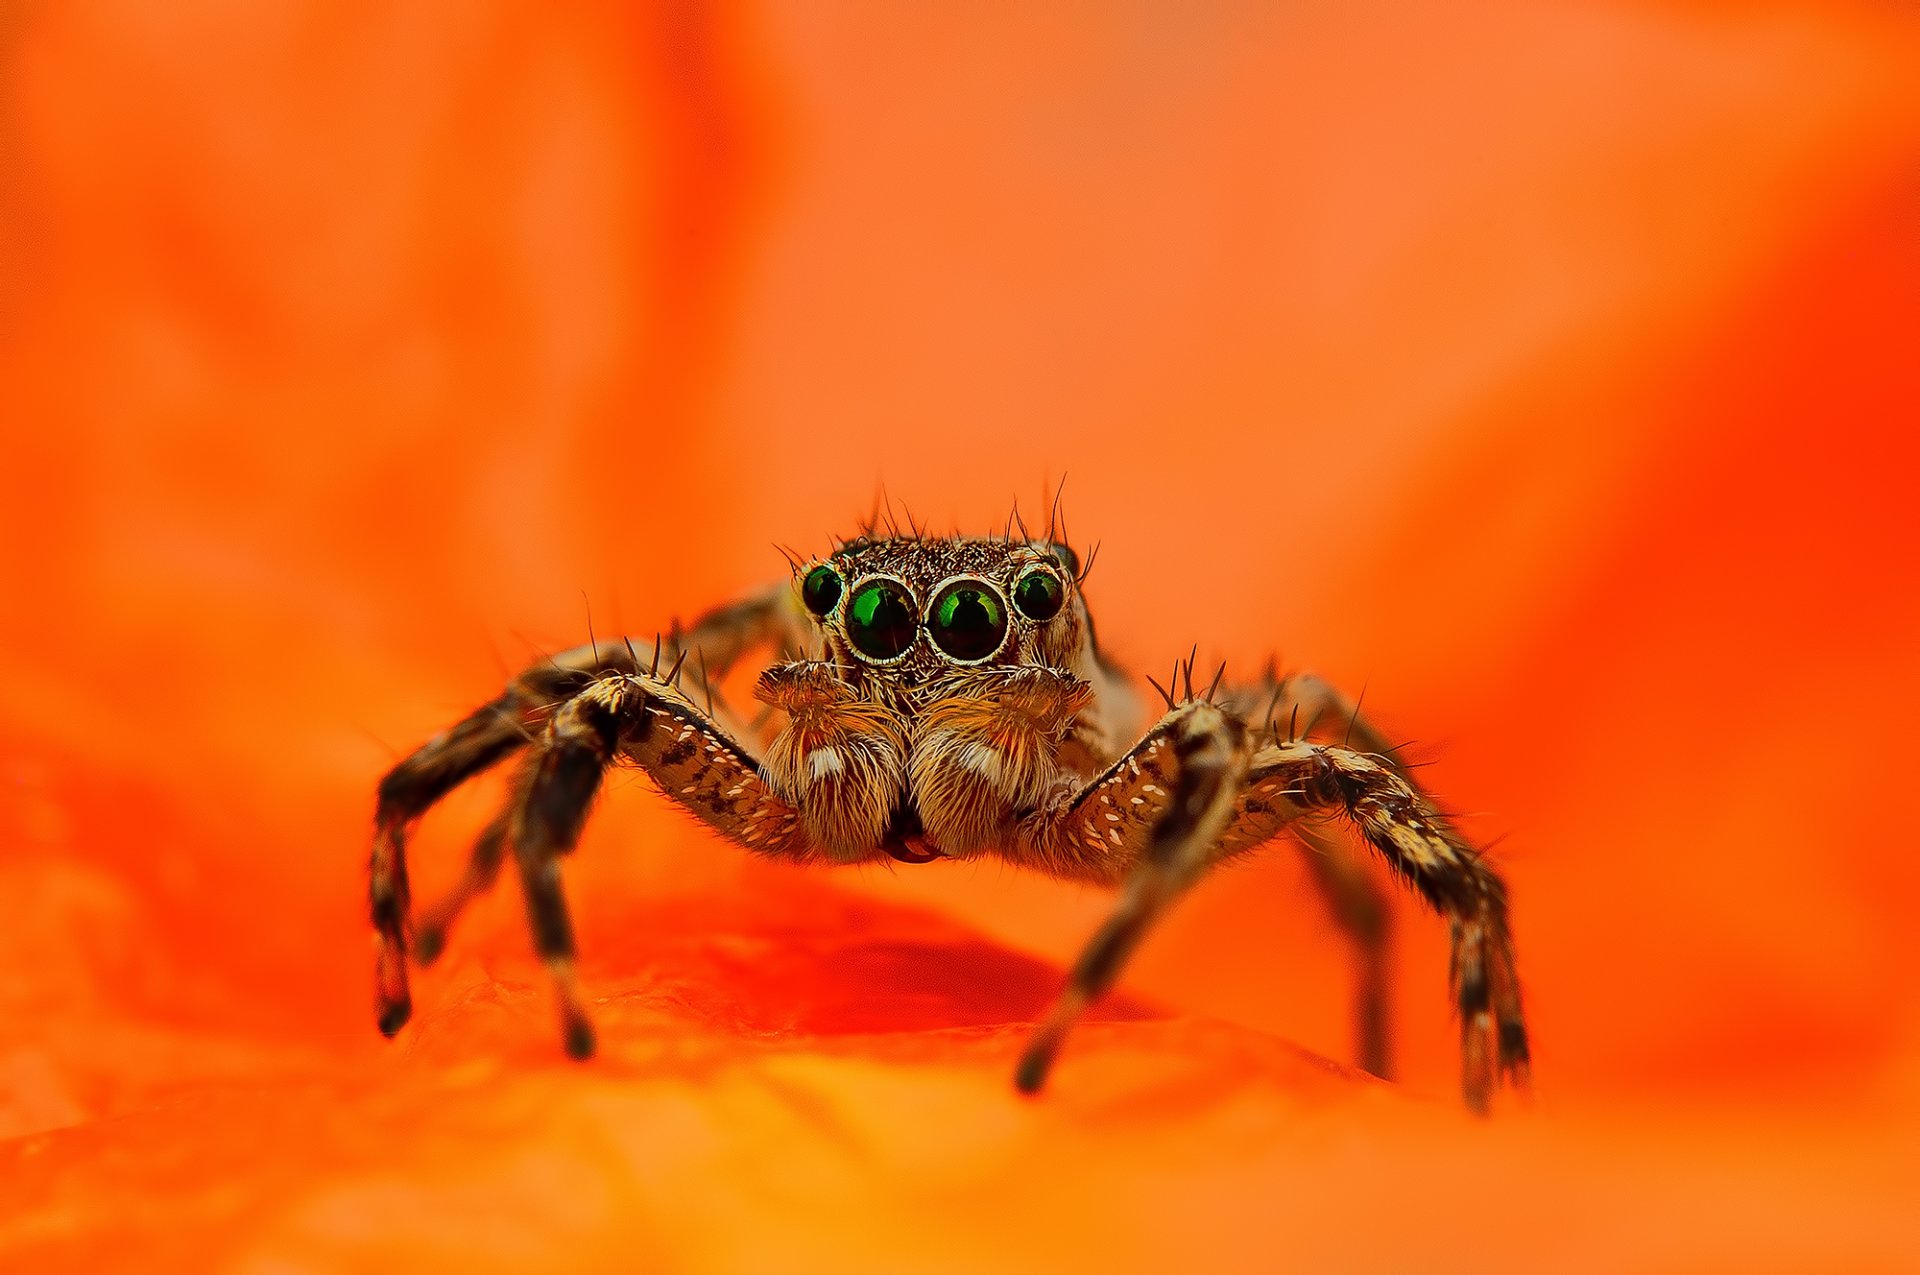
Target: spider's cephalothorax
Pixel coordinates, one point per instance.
(943, 698)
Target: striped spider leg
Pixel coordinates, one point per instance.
(503, 727)
(1200, 788)
(1305, 706)
(822, 793)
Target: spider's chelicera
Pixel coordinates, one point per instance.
(944, 698)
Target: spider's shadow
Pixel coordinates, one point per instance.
(824, 961)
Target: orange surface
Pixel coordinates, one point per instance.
(1547, 369)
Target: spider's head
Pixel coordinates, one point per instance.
(907, 612)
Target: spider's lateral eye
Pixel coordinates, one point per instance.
(1068, 558)
(968, 620)
(880, 620)
(821, 589)
(1039, 594)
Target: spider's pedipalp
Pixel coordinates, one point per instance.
(839, 764)
(987, 750)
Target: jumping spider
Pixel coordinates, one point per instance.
(944, 697)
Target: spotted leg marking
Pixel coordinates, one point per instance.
(1426, 851)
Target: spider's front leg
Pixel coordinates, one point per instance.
(827, 788)
(647, 720)
(1194, 791)
(1159, 810)
(497, 730)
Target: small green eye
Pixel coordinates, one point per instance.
(969, 622)
(880, 620)
(821, 589)
(1039, 594)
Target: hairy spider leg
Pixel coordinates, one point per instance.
(649, 721)
(841, 761)
(495, 731)
(1162, 806)
(1306, 704)
(431, 922)
(1425, 850)
(1359, 907)
(1193, 792)
(475, 744)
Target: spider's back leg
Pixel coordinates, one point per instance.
(1305, 706)
(1424, 849)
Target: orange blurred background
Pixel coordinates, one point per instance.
(1547, 370)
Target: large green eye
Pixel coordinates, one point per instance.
(880, 620)
(821, 589)
(1039, 594)
(968, 621)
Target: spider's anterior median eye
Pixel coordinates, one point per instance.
(880, 620)
(1039, 594)
(821, 589)
(968, 621)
